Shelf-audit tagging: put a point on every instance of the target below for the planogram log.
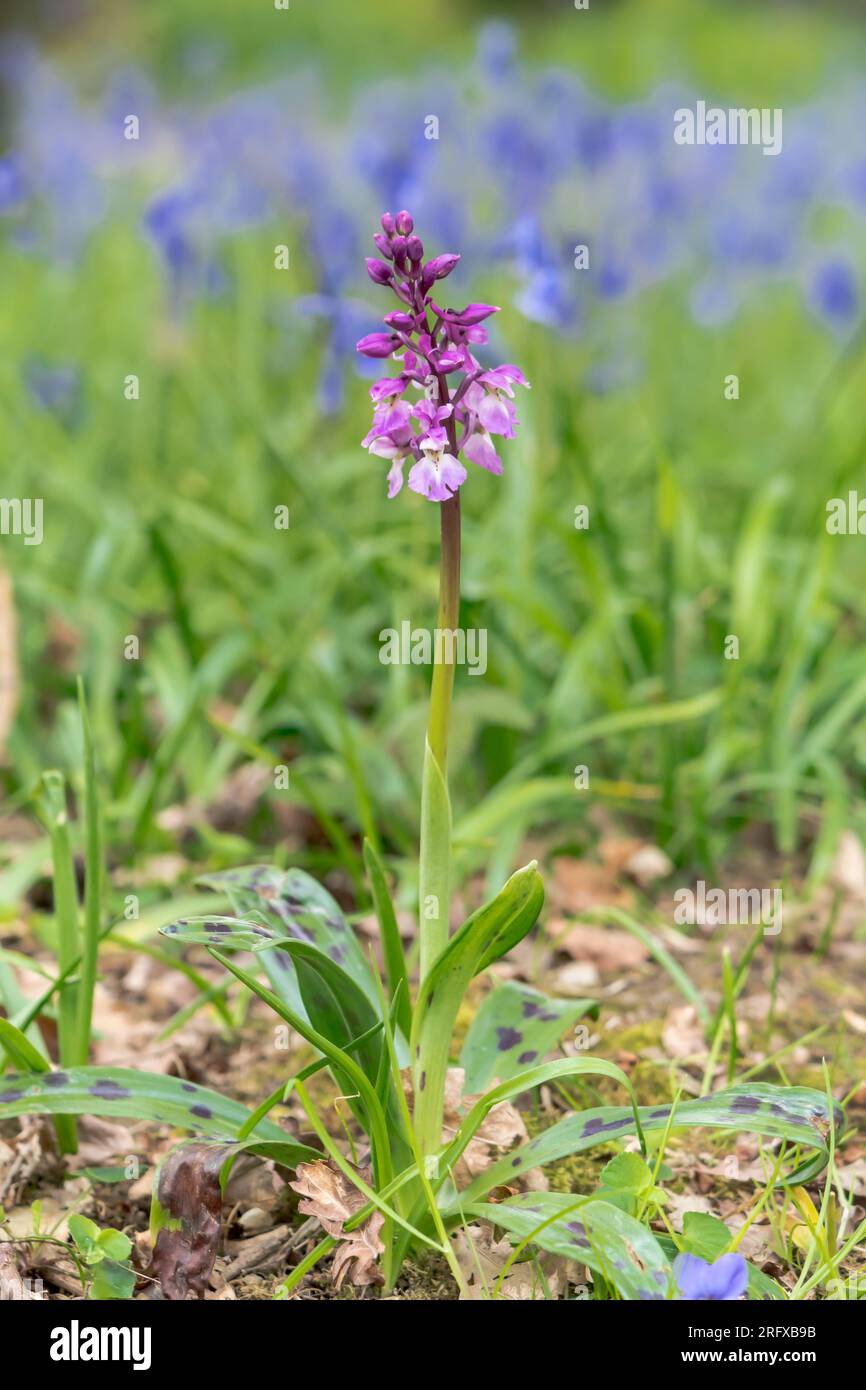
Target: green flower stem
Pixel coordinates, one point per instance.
(52, 808)
(435, 807)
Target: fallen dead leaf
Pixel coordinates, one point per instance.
(579, 884)
(682, 1033)
(575, 978)
(13, 1286)
(329, 1196)
(189, 1191)
(607, 948)
(849, 866)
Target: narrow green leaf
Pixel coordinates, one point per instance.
(21, 1050)
(293, 904)
(93, 887)
(389, 932)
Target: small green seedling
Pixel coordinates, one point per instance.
(104, 1256)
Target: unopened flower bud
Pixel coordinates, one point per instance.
(415, 250)
(388, 223)
(398, 250)
(377, 344)
(379, 271)
(398, 319)
(405, 223)
(383, 244)
(440, 266)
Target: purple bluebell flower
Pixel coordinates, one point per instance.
(723, 1281)
(834, 292)
(432, 344)
(55, 388)
(13, 184)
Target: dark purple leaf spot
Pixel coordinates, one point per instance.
(508, 1038)
(108, 1090)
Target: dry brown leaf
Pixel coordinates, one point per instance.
(329, 1196)
(189, 1191)
(13, 1287)
(682, 1034)
(482, 1260)
(849, 866)
(579, 884)
(498, 1130)
(357, 1253)
(99, 1140)
(605, 947)
(575, 978)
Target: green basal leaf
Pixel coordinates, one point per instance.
(595, 1233)
(511, 914)
(144, 1095)
(337, 1008)
(796, 1113)
(515, 1027)
(534, 1076)
(229, 933)
(291, 904)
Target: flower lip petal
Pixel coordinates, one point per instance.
(479, 449)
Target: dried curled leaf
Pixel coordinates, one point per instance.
(189, 1202)
(329, 1196)
(357, 1254)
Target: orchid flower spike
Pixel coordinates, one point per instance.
(460, 404)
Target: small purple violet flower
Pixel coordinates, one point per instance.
(723, 1281)
(433, 344)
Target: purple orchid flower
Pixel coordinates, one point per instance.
(432, 345)
(723, 1281)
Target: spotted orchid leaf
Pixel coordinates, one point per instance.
(229, 933)
(292, 904)
(515, 1027)
(143, 1095)
(795, 1113)
(595, 1233)
(337, 1007)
